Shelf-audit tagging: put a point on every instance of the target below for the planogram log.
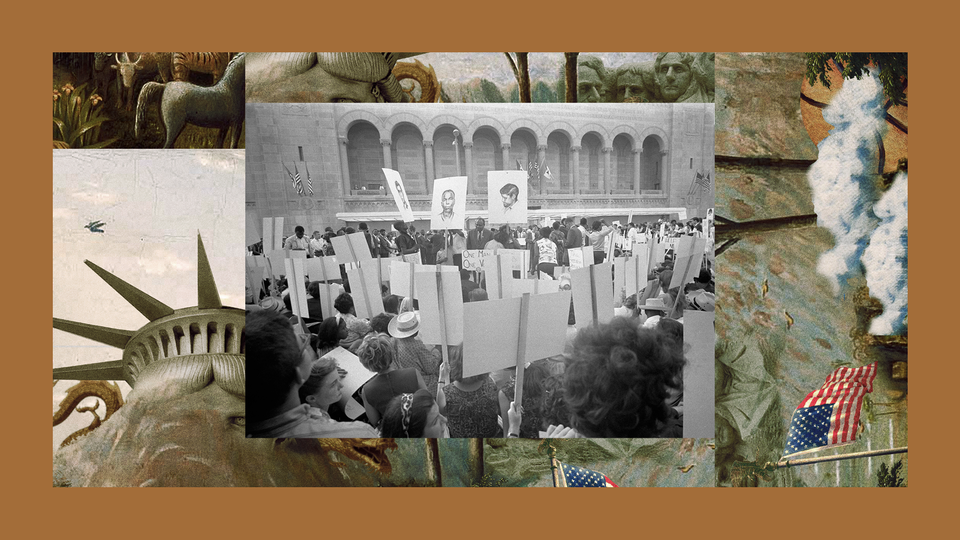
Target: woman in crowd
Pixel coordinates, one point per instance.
(376, 353)
(544, 253)
(329, 334)
(597, 236)
(618, 380)
(357, 328)
(534, 377)
(320, 391)
(471, 402)
(411, 352)
(413, 415)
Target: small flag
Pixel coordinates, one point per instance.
(309, 180)
(703, 181)
(520, 165)
(547, 174)
(296, 180)
(573, 476)
(830, 416)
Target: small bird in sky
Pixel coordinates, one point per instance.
(790, 320)
(94, 226)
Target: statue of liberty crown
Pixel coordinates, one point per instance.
(208, 328)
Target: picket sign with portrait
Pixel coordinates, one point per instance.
(399, 192)
(507, 197)
(448, 209)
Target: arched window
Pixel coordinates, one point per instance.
(407, 157)
(364, 156)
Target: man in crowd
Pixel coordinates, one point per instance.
(297, 242)
(478, 237)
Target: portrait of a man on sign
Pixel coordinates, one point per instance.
(449, 206)
(507, 196)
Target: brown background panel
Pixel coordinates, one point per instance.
(37, 510)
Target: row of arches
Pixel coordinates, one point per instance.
(591, 159)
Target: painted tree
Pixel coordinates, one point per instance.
(892, 70)
(521, 70)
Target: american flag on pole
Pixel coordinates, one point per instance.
(294, 179)
(703, 181)
(573, 476)
(309, 181)
(830, 415)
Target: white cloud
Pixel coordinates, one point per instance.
(97, 198)
(885, 259)
(64, 213)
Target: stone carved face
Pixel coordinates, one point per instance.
(589, 86)
(674, 76)
(630, 87)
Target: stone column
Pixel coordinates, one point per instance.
(637, 156)
(428, 151)
(344, 166)
(575, 183)
(468, 166)
(606, 169)
(505, 152)
(541, 154)
(663, 173)
(387, 158)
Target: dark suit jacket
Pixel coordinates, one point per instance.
(477, 240)
(574, 238)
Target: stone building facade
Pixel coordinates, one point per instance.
(604, 160)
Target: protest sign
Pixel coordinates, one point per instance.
(473, 259)
(507, 196)
(295, 284)
(441, 305)
(687, 262)
(322, 268)
(449, 206)
(580, 257)
(497, 276)
(356, 376)
(365, 290)
(518, 287)
(592, 294)
(395, 183)
(351, 248)
(698, 374)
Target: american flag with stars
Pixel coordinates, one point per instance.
(830, 415)
(573, 476)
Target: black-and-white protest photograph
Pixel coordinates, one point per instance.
(479, 270)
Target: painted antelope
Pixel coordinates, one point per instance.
(181, 103)
(146, 64)
(204, 62)
(102, 75)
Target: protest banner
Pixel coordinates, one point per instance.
(517, 259)
(395, 183)
(401, 282)
(699, 337)
(365, 289)
(441, 304)
(592, 294)
(687, 261)
(328, 294)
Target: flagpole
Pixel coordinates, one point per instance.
(785, 463)
(552, 452)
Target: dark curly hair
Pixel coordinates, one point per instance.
(617, 378)
(392, 423)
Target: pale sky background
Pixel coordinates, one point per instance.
(154, 203)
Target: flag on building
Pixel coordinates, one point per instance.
(520, 165)
(546, 173)
(703, 181)
(830, 415)
(573, 476)
(309, 180)
(296, 180)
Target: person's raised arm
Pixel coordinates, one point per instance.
(504, 408)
